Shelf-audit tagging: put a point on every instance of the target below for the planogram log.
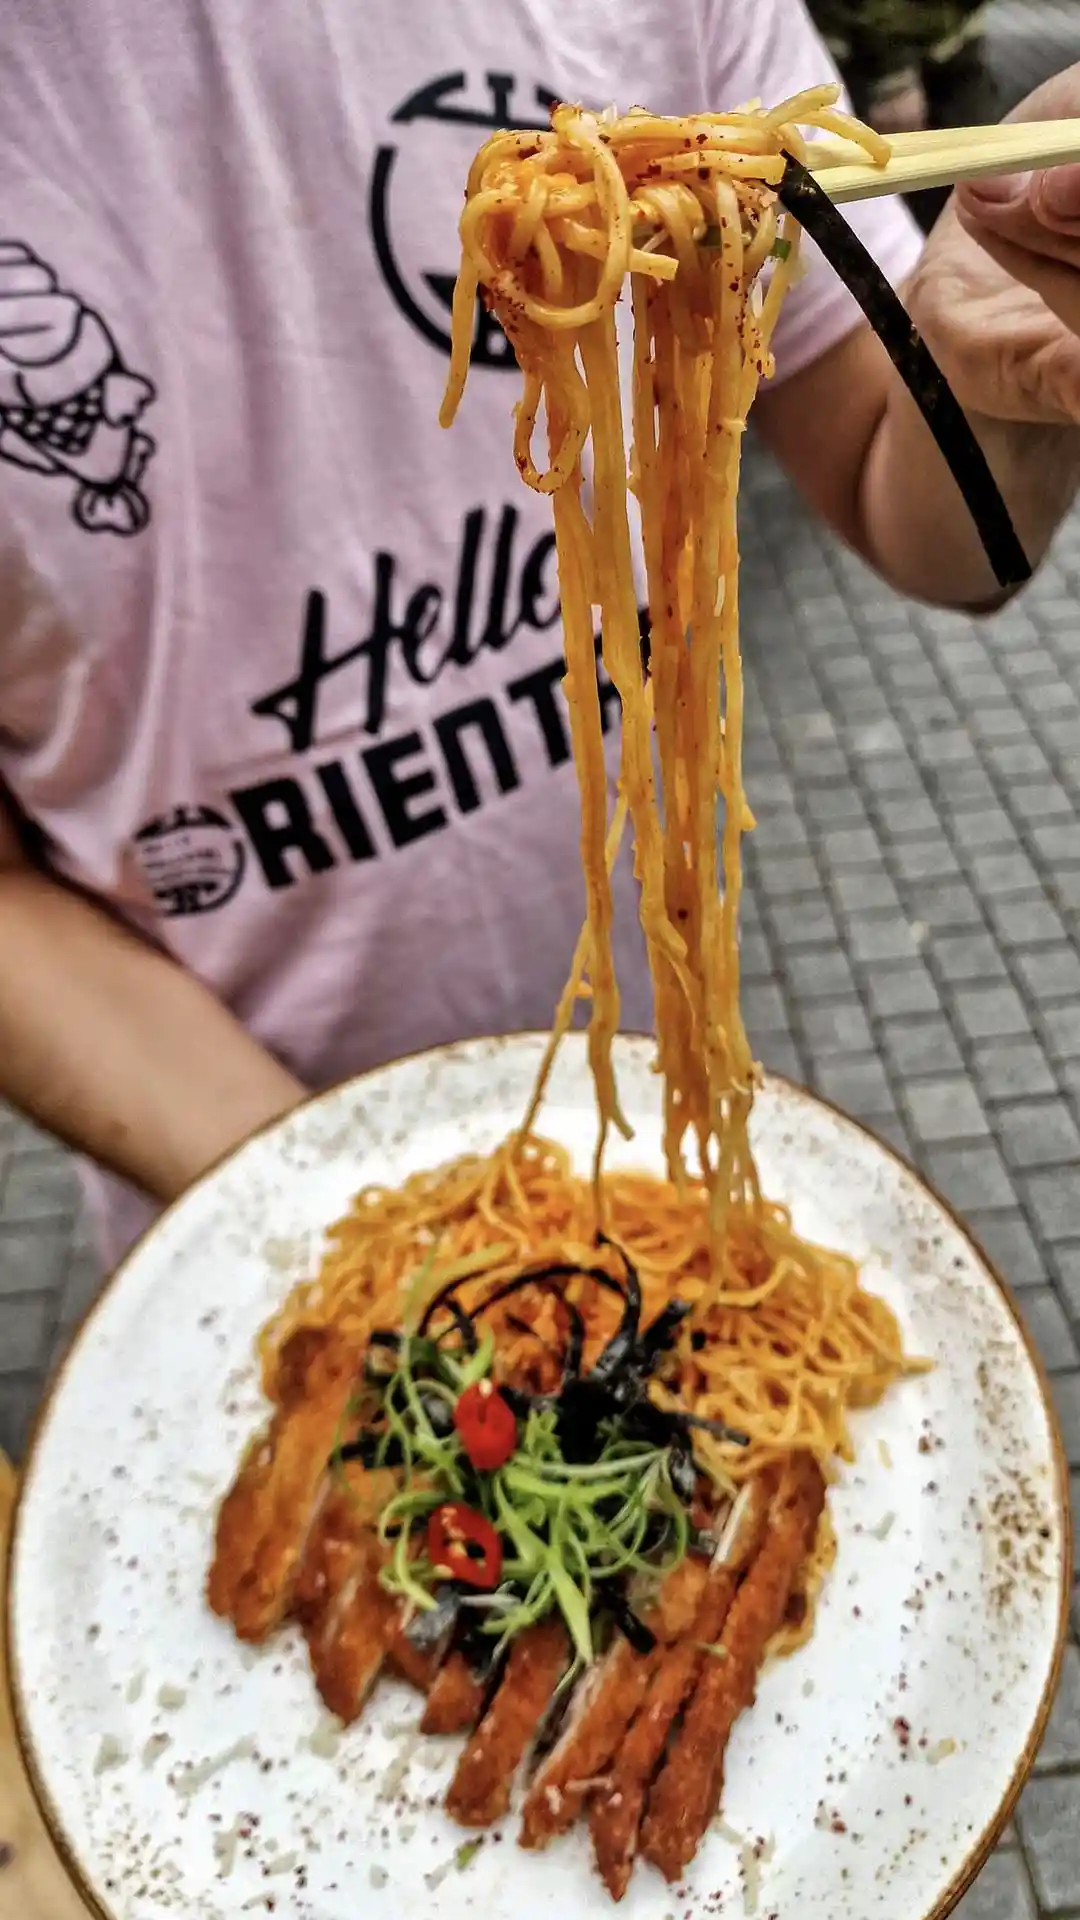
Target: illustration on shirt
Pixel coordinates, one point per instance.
(424, 296)
(192, 860)
(68, 404)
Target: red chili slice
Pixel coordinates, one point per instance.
(463, 1545)
(486, 1423)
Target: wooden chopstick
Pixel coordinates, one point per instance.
(941, 157)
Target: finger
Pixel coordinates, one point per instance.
(1037, 211)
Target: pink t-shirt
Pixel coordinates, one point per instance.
(279, 674)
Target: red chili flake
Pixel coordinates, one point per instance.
(486, 1423)
(464, 1545)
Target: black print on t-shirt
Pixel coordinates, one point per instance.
(192, 859)
(419, 631)
(425, 297)
(69, 406)
(396, 785)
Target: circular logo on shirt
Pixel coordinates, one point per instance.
(409, 228)
(192, 859)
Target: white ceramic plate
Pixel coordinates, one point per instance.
(182, 1775)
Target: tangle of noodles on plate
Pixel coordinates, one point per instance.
(782, 1341)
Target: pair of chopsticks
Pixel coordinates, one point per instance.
(941, 158)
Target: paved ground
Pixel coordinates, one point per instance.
(912, 948)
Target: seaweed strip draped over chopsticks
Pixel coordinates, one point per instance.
(926, 383)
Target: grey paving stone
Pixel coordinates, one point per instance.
(1067, 1402)
(1004, 873)
(1054, 1203)
(1039, 800)
(945, 748)
(968, 956)
(890, 1128)
(40, 1185)
(19, 1395)
(1001, 1892)
(764, 1009)
(1061, 1025)
(945, 1110)
(1008, 1069)
(1045, 1320)
(947, 905)
(27, 1319)
(861, 891)
(1064, 1260)
(835, 806)
(973, 1176)
(82, 1281)
(851, 847)
(986, 1013)
(1025, 923)
(780, 1054)
(918, 1046)
(908, 817)
(804, 923)
(1050, 973)
(964, 789)
(895, 990)
(755, 956)
(872, 938)
(1017, 758)
(1007, 1240)
(1000, 723)
(1063, 888)
(795, 874)
(1038, 1133)
(859, 1086)
(33, 1258)
(1049, 1822)
(984, 828)
(884, 772)
(924, 859)
(823, 973)
(835, 1027)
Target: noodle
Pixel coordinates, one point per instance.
(782, 1341)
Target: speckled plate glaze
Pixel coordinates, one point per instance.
(183, 1775)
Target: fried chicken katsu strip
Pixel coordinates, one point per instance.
(455, 1697)
(348, 1619)
(616, 1809)
(686, 1792)
(481, 1787)
(347, 1661)
(602, 1710)
(266, 1517)
(420, 1666)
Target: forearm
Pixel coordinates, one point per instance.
(110, 1045)
(913, 523)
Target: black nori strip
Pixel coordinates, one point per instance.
(366, 1450)
(659, 1336)
(614, 1601)
(535, 1276)
(812, 208)
(621, 1345)
(683, 1474)
(460, 1321)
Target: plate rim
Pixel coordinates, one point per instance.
(981, 1848)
